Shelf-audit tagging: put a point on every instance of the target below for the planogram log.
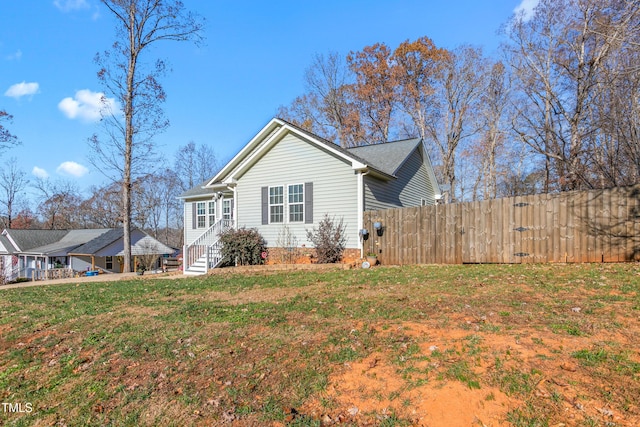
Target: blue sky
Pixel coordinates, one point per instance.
(219, 94)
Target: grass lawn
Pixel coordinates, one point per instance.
(474, 345)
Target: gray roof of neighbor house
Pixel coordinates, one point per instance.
(29, 239)
(388, 156)
(80, 242)
(71, 241)
(99, 242)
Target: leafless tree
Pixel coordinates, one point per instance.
(493, 143)
(194, 164)
(327, 107)
(565, 59)
(6, 138)
(168, 192)
(452, 116)
(59, 202)
(103, 208)
(127, 143)
(13, 181)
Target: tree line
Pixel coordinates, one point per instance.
(557, 109)
(61, 205)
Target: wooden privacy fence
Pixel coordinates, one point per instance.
(577, 226)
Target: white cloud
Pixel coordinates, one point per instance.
(73, 169)
(19, 90)
(16, 56)
(69, 5)
(40, 173)
(526, 8)
(87, 105)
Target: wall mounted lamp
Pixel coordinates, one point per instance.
(364, 234)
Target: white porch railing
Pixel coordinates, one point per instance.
(207, 246)
(15, 273)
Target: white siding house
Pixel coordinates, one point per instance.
(286, 176)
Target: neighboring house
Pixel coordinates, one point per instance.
(286, 176)
(33, 253)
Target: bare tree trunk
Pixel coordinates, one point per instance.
(140, 23)
(128, 117)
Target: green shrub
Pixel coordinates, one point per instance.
(242, 247)
(328, 239)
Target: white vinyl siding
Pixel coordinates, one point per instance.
(411, 188)
(291, 161)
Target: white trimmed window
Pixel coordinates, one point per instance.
(212, 213)
(296, 202)
(109, 263)
(294, 206)
(276, 204)
(227, 209)
(201, 214)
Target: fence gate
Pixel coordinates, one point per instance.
(515, 230)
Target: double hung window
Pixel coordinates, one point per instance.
(276, 204)
(296, 203)
(201, 214)
(288, 203)
(212, 213)
(227, 209)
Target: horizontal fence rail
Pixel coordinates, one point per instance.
(577, 226)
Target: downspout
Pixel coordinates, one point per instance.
(361, 207)
(234, 211)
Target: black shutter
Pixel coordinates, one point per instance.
(194, 219)
(265, 205)
(308, 202)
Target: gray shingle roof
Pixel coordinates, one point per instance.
(6, 244)
(387, 157)
(70, 241)
(113, 235)
(29, 239)
(64, 242)
(198, 191)
(99, 242)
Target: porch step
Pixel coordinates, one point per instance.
(197, 268)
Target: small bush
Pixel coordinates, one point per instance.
(329, 240)
(288, 243)
(242, 247)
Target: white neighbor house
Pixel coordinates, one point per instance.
(286, 176)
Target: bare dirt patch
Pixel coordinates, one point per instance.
(376, 386)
